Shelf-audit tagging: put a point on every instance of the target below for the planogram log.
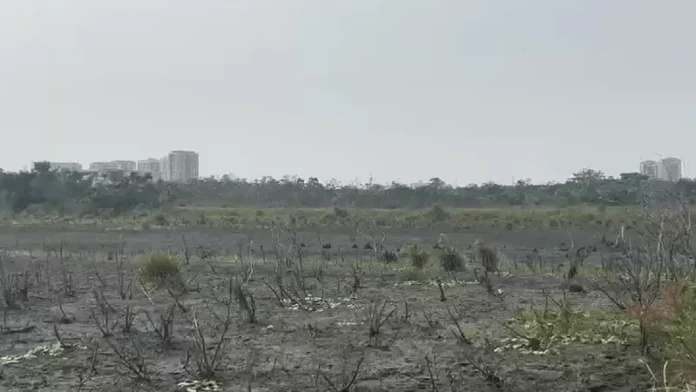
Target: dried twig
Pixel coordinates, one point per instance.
(165, 328)
(205, 364)
(347, 380)
(375, 317)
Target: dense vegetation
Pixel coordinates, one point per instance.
(43, 190)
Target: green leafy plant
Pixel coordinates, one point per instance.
(161, 270)
(539, 331)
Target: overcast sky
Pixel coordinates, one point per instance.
(469, 91)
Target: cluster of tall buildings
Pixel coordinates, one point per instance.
(667, 169)
(177, 166)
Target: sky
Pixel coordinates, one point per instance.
(397, 90)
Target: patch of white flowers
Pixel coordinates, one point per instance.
(199, 386)
(318, 304)
(52, 350)
(522, 345)
(450, 283)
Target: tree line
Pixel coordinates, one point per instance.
(42, 190)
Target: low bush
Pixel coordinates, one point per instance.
(488, 256)
(410, 274)
(438, 214)
(540, 330)
(161, 270)
(160, 220)
(451, 260)
(674, 317)
(388, 256)
(418, 257)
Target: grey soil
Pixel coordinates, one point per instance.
(298, 350)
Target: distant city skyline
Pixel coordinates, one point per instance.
(631, 167)
(176, 166)
(665, 168)
(467, 91)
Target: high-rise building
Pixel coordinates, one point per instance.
(103, 166)
(179, 166)
(670, 169)
(125, 165)
(112, 166)
(71, 166)
(649, 169)
(151, 166)
(165, 171)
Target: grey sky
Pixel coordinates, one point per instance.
(469, 91)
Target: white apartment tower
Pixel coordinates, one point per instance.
(71, 166)
(670, 169)
(179, 166)
(164, 169)
(649, 169)
(112, 166)
(125, 165)
(151, 166)
(103, 166)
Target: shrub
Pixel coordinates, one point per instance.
(488, 256)
(341, 213)
(410, 274)
(438, 214)
(451, 260)
(417, 256)
(389, 256)
(329, 218)
(160, 219)
(677, 324)
(161, 270)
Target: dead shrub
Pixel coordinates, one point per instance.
(485, 281)
(15, 287)
(633, 280)
(410, 274)
(102, 319)
(488, 256)
(347, 378)
(128, 318)
(132, 359)
(165, 327)
(207, 356)
(124, 290)
(674, 298)
(376, 315)
(451, 260)
(649, 316)
(357, 274)
(245, 298)
(66, 275)
(388, 256)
